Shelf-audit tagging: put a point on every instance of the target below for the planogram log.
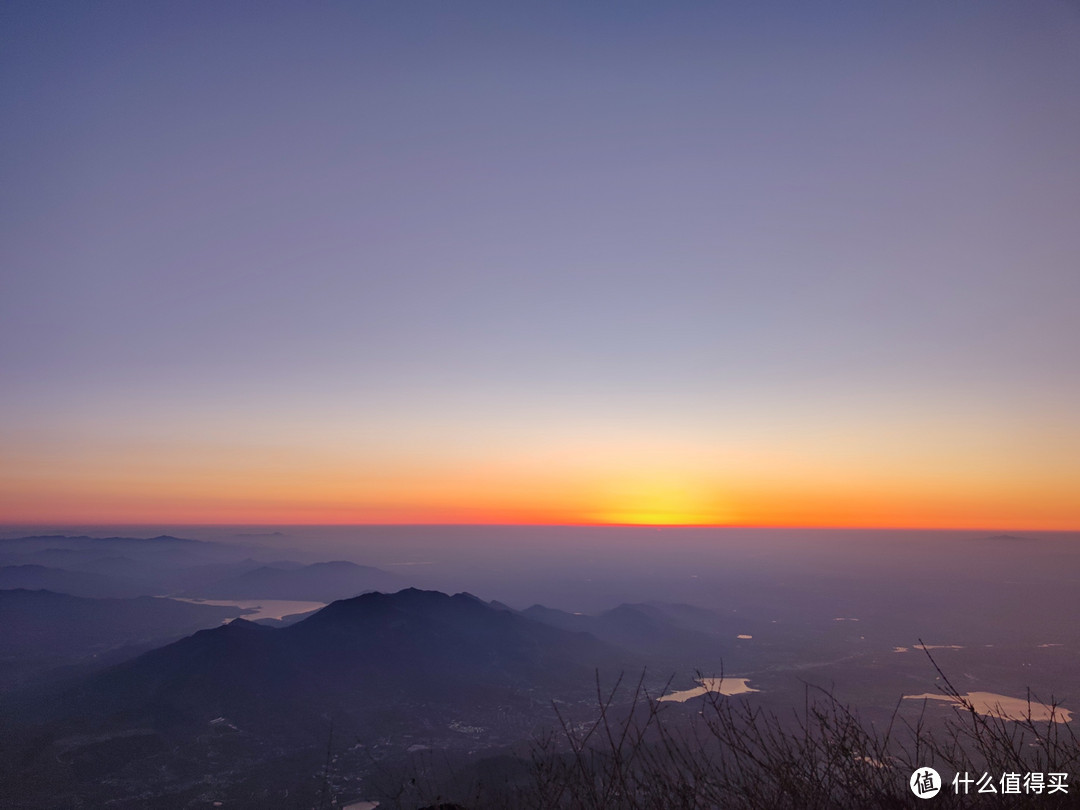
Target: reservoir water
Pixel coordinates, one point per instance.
(723, 686)
(264, 608)
(991, 704)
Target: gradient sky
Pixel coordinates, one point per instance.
(737, 263)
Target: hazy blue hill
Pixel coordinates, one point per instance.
(108, 564)
(128, 566)
(86, 543)
(689, 616)
(669, 631)
(320, 582)
(77, 583)
(40, 629)
(84, 539)
(578, 622)
(164, 550)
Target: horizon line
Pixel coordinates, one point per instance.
(525, 524)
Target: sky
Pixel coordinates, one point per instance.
(762, 264)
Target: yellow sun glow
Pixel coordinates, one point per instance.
(662, 503)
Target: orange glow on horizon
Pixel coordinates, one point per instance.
(891, 516)
(603, 485)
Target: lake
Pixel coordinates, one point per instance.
(991, 704)
(265, 608)
(723, 686)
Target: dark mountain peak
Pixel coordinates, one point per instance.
(228, 633)
(465, 596)
(418, 595)
(410, 607)
(417, 599)
(1007, 538)
(377, 601)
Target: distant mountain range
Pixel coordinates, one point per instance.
(116, 566)
(121, 567)
(320, 582)
(160, 545)
(76, 583)
(81, 539)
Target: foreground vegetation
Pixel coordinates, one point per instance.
(634, 754)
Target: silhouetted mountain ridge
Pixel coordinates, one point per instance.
(352, 660)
